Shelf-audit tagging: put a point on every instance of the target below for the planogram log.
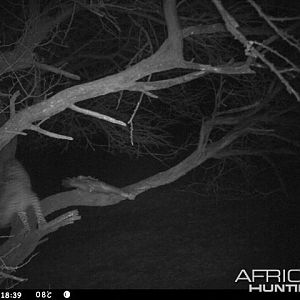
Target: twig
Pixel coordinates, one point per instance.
(57, 71)
(282, 34)
(96, 115)
(12, 103)
(232, 25)
(9, 276)
(51, 134)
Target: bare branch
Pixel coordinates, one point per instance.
(97, 115)
(50, 134)
(57, 71)
(174, 30)
(284, 35)
(232, 26)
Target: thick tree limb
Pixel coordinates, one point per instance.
(167, 57)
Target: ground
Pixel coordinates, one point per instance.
(167, 238)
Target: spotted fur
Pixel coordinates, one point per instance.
(17, 195)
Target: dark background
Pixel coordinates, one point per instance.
(166, 238)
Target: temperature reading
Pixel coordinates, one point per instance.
(43, 295)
